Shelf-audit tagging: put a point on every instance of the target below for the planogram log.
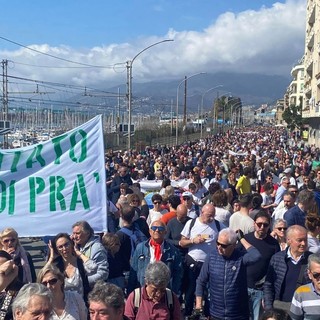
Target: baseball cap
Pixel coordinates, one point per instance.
(187, 194)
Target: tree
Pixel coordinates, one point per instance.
(293, 117)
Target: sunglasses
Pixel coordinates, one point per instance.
(223, 246)
(156, 202)
(9, 240)
(65, 245)
(316, 275)
(186, 198)
(282, 229)
(262, 224)
(51, 282)
(158, 228)
(135, 201)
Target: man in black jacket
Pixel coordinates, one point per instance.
(287, 270)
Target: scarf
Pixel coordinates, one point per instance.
(157, 249)
(21, 253)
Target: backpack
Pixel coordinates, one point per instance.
(194, 221)
(137, 301)
(136, 236)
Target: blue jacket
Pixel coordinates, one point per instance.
(141, 258)
(94, 250)
(276, 275)
(227, 279)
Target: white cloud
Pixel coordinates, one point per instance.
(267, 41)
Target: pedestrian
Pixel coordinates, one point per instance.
(305, 302)
(199, 236)
(90, 246)
(155, 300)
(224, 270)
(287, 270)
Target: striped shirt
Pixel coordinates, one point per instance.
(305, 303)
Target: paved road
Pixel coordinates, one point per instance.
(36, 249)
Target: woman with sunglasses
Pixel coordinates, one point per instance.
(67, 305)
(156, 212)
(279, 232)
(72, 263)
(10, 243)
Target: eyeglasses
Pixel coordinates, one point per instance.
(316, 275)
(134, 200)
(65, 245)
(186, 198)
(9, 240)
(156, 202)
(158, 228)
(51, 282)
(282, 229)
(223, 246)
(262, 224)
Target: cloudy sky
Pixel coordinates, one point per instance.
(99, 36)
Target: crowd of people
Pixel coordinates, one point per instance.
(226, 227)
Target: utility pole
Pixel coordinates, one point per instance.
(118, 119)
(185, 103)
(5, 98)
(5, 90)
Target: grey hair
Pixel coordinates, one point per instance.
(52, 269)
(158, 274)
(230, 233)
(107, 293)
(313, 258)
(277, 221)
(295, 228)
(22, 300)
(85, 226)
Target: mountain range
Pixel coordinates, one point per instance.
(253, 89)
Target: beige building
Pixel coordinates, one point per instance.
(312, 72)
(294, 94)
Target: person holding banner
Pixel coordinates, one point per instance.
(87, 244)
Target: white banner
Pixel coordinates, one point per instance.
(47, 187)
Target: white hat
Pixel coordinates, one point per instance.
(187, 194)
(287, 170)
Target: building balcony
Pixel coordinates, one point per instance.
(311, 13)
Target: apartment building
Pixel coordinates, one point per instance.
(311, 102)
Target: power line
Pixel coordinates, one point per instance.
(52, 56)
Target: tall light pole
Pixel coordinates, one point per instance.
(129, 84)
(232, 105)
(177, 108)
(202, 97)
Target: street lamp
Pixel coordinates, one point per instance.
(129, 84)
(218, 86)
(177, 109)
(232, 105)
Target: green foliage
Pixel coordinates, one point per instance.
(293, 117)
